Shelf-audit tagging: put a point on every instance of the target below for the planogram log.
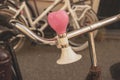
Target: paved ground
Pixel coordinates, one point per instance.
(39, 62)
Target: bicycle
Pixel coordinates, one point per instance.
(16, 70)
(81, 15)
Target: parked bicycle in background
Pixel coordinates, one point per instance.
(80, 13)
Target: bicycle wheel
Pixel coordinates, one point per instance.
(80, 42)
(16, 41)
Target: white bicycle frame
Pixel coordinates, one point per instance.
(66, 6)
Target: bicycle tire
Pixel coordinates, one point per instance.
(79, 47)
(5, 16)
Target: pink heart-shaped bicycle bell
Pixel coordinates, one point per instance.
(58, 21)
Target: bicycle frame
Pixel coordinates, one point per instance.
(66, 5)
